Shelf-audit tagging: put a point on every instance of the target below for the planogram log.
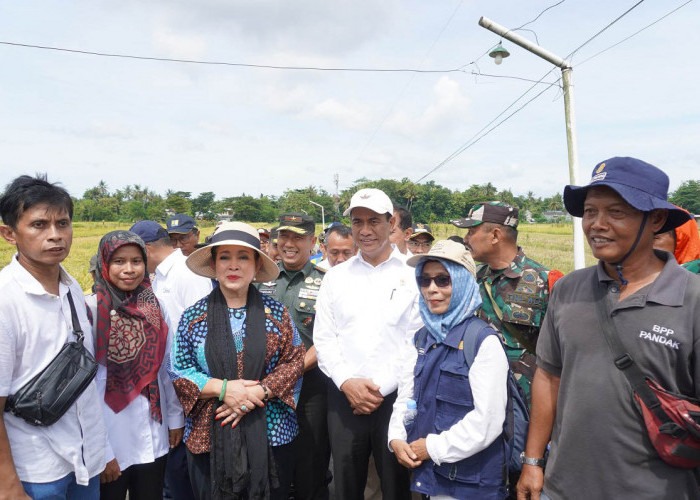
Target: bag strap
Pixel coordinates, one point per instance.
(77, 331)
(471, 340)
(622, 359)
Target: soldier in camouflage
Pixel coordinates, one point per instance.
(514, 288)
(297, 287)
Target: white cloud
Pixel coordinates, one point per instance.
(448, 104)
(354, 116)
(178, 46)
(109, 129)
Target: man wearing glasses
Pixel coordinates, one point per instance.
(183, 233)
(421, 239)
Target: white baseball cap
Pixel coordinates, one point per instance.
(372, 198)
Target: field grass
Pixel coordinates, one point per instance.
(549, 244)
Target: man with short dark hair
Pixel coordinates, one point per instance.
(367, 315)
(184, 233)
(402, 229)
(339, 245)
(582, 400)
(514, 288)
(62, 460)
(297, 288)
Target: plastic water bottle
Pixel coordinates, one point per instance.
(411, 412)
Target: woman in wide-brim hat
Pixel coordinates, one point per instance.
(237, 361)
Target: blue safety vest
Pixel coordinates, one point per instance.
(443, 397)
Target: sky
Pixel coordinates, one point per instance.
(234, 130)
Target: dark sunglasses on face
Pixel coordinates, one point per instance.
(442, 280)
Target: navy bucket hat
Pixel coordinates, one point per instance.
(639, 183)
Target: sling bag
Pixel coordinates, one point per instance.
(672, 420)
(48, 395)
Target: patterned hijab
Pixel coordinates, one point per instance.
(131, 331)
(464, 301)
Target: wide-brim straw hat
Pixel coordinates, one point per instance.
(232, 233)
(448, 250)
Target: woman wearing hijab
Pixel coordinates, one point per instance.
(131, 344)
(237, 363)
(683, 242)
(454, 442)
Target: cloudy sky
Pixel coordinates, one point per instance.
(234, 130)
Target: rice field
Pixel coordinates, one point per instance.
(549, 244)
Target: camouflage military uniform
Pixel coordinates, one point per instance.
(514, 303)
(693, 266)
(298, 291)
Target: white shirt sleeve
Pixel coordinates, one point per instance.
(328, 349)
(388, 377)
(8, 345)
(481, 426)
(174, 416)
(405, 392)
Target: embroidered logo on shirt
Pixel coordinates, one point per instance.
(660, 335)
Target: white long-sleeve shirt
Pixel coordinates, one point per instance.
(177, 287)
(134, 437)
(366, 317)
(34, 326)
(481, 426)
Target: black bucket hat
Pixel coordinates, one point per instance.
(642, 185)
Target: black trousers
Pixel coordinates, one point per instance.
(142, 481)
(353, 438)
(200, 476)
(312, 450)
(177, 479)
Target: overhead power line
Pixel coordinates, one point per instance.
(477, 137)
(235, 64)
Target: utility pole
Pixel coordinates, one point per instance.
(570, 117)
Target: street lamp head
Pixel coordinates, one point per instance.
(499, 53)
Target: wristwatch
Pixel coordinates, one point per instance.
(539, 462)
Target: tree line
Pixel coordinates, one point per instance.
(428, 202)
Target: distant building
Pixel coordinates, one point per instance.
(556, 216)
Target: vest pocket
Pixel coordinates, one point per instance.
(464, 471)
(454, 396)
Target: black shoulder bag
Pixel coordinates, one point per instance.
(672, 420)
(46, 397)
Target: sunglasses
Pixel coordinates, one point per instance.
(441, 281)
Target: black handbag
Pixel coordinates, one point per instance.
(46, 397)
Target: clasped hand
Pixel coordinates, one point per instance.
(240, 394)
(363, 395)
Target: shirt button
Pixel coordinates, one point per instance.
(614, 289)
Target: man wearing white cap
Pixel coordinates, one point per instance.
(367, 314)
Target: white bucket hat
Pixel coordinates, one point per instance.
(450, 250)
(232, 233)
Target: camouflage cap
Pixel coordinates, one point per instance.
(496, 212)
(298, 223)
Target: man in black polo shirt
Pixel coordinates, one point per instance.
(599, 445)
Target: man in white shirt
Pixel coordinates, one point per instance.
(62, 460)
(177, 288)
(367, 314)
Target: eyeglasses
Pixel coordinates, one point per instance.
(441, 281)
(417, 244)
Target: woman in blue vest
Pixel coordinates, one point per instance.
(453, 439)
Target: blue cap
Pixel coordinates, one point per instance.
(149, 230)
(180, 223)
(640, 184)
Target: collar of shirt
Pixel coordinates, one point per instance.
(395, 255)
(667, 289)
(306, 270)
(31, 285)
(514, 270)
(164, 267)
